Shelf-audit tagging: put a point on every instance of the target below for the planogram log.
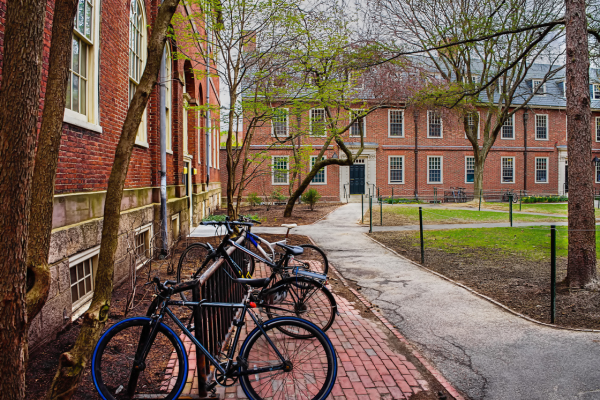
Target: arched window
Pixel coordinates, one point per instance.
(168, 79)
(137, 58)
(186, 98)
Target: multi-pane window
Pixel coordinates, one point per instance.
(508, 128)
(137, 48)
(317, 122)
(78, 86)
(597, 129)
(595, 91)
(82, 282)
(541, 127)
(396, 122)
(508, 169)
(541, 170)
(140, 244)
(538, 86)
(167, 80)
(280, 170)
(280, 122)
(320, 176)
(469, 169)
(473, 123)
(598, 173)
(434, 169)
(434, 124)
(396, 169)
(358, 125)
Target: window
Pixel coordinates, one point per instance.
(471, 122)
(469, 169)
(143, 251)
(82, 268)
(508, 170)
(597, 129)
(185, 128)
(396, 165)
(541, 127)
(541, 170)
(167, 80)
(598, 173)
(538, 87)
(561, 87)
(508, 128)
(396, 119)
(358, 125)
(321, 176)
(434, 124)
(280, 170)
(279, 122)
(137, 52)
(317, 122)
(434, 169)
(175, 228)
(595, 91)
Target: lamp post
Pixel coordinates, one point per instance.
(525, 119)
(416, 120)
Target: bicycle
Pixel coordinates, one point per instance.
(290, 289)
(507, 195)
(142, 357)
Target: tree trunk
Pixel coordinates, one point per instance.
(19, 109)
(46, 158)
(581, 270)
(478, 178)
(72, 363)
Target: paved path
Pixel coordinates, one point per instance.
(485, 352)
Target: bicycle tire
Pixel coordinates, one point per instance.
(191, 260)
(313, 259)
(302, 298)
(314, 362)
(162, 374)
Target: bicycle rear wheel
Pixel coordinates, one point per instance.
(163, 372)
(313, 259)
(311, 365)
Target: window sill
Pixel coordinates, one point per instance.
(279, 184)
(72, 118)
(81, 307)
(142, 144)
(169, 152)
(395, 183)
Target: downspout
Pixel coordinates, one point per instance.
(208, 127)
(525, 118)
(416, 118)
(163, 152)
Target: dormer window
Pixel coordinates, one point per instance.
(538, 87)
(562, 88)
(595, 91)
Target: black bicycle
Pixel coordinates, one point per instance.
(142, 357)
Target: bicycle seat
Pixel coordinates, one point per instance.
(289, 226)
(257, 283)
(294, 250)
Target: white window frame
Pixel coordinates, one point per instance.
(324, 169)
(287, 123)
(429, 112)
(287, 175)
(175, 217)
(402, 181)
(90, 120)
(514, 168)
(141, 138)
(168, 82)
(478, 126)
(541, 92)
(353, 112)
(466, 164)
(514, 134)
(595, 89)
(142, 229)
(547, 126)
(390, 124)
(441, 170)
(597, 173)
(310, 122)
(185, 129)
(597, 121)
(547, 169)
(81, 305)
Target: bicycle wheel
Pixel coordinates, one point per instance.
(313, 259)
(303, 298)
(164, 368)
(310, 367)
(191, 260)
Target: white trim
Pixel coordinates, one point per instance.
(547, 126)
(514, 168)
(596, 173)
(441, 170)
(597, 130)
(390, 124)
(364, 119)
(310, 119)
(514, 134)
(80, 306)
(143, 127)
(287, 180)
(142, 229)
(441, 126)
(324, 169)
(594, 86)
(402, 182)
(547, 169)
(175, 217)
(478, 127)
(542, 92)
(74, 118)
(473, 157)
(287, 123)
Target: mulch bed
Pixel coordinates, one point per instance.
(302, 214)
(517, 282)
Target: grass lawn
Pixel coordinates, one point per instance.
(397, 215)
(544, 208)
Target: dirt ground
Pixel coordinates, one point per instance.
(302, 214)
(519, 283)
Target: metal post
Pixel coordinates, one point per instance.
(552, 273)
(370, 214)
(520, 201)
(421, 229)
(378, 193)
(362, 208)
(510, 199)
(392, 195)
(199, 329)
(381, 212)
(434, 195)
(480, 190)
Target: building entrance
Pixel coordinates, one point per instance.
(357, 179)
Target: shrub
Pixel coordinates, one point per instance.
(397, 200)
(219, 217)
(311, 196)
(277, 196)
(253, 199)
(544, 199)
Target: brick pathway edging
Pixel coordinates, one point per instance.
(483, 296)
(447, 385)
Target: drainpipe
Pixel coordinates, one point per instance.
(416, 118)
(163, 152)
(208, 127)
(525, 119)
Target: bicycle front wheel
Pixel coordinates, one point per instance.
(313, 259)
(308, 370)
(161, 374)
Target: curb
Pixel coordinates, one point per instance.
(495, 302)
(438, 375)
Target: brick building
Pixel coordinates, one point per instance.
(109, 51)
(418, 151)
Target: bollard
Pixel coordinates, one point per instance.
(520, 201)
(421, 229)
(392, 195)
(510, 199)
(434, 195)
(552, 273)
(480, 190)
(381, 212)
(370, 214)
(362, 207)
(377, 193)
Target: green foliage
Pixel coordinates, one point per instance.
(254, 199)
(395, 200)
(311, 197)
(219, 217)
(545, 199)
(277, 196)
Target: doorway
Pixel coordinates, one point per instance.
(357, 179)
